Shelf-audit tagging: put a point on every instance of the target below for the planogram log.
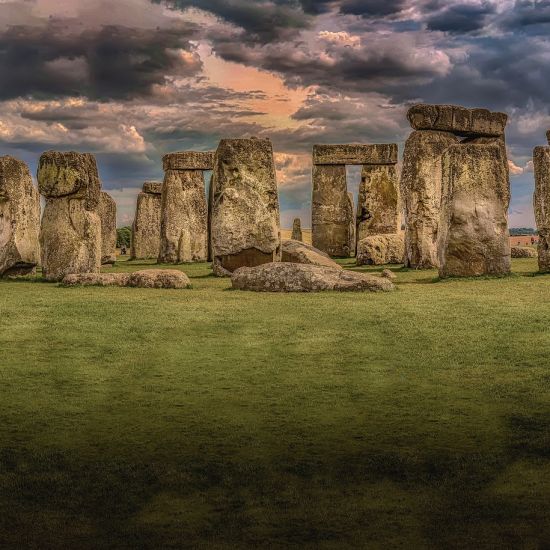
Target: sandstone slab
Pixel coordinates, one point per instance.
(188, 160)
(96, 279)
(355, 154)
(147, 278)
(146, 226)
(107, 213)
(523, 252)
(290, 277)
(19, 219)
(541, 201)
(245, 206)
(297, 230)
(381, 250)
(298, 252)
(473, 236)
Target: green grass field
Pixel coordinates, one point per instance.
(212, 418)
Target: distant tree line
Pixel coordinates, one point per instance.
(123, 236)
(514, 231)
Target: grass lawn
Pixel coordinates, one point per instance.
(212, 418)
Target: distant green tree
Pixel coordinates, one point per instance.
(522, 231)
(123, 236)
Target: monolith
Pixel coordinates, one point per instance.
(146, 226)
(297, 230)
(541, 161)
(19, 219)
(107, 213)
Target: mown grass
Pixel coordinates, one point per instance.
(213, 418)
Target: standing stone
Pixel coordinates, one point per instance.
(245, 206)
(421, 195)
(541, 161)
(146, 226)
(378, 205)
(473, 235)
(297, 230)
(184, 211)
(107, 213)
(352, 229)
(332, 214)
(70, 233)
(19, 219)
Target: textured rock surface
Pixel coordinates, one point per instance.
(385, 153)
(548, 137)
(331, 214)
(458, 120)
(388, 274)
(70, 233)
(541, 200)
(146, 226)
(96, 279)
(421, 195)
(352, 229)
(289, 277)
(523, 252)
(107, 213)
(188, 160)
(378, 204)
(19, 219)
(301, 253)
(381, 250)
(147, 278)
(473, 235)
(297, 230)
(245, 205)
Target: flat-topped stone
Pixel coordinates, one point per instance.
(152, 187)
(355, 154)
(188, 160)
(457, 120)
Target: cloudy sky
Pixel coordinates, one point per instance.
(133, 79)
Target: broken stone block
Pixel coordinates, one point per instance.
(301, 253)
(355, 154)
(107, 213)
(541, 201)
(381, 250)
(146, 226)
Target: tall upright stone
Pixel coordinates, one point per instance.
(245, 206)
(297, 230)
(541, 199)
(19, 219)
(70, 233)
(146, 226)
(352, 227)
(107, 213)
(473, 237)
(184, 211)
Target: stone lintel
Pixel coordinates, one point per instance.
(188, 160)
(355, 154)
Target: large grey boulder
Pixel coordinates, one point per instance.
(301, 253)
(541, 200)
(421, 195)
(381, 250)
(457, 120)
(245, 206)
(473, 235)
(289, 277)
(70, 233)
(297, 230)
(146, 226)
(19, 219)
(378, 203)
(332, 213)
(107, 213)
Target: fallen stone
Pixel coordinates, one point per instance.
(245, 206)
(523, 252)
(458, 120)
(19, 219)
(332, 213)
(146, 226)
(96, 279)
(297, 230)
(298, 252)
(473, 235)
(107, 213)
(188, 160)
(159, 278)
(378, 204)
(541, 202)
(388, 274)
(290, 277)
(70, 233)
(421, 195)
(357, 154)
(381, 250)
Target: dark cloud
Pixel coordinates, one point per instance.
(528, 15)
(372, 8)
(461, 18)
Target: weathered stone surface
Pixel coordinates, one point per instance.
(245, 206)
(96, 279)
(331, 214)
(378, 204)
(188, 160)
(473, 235)
(523, 252)
(301, 253)
(381, 250)
(458, 120)
(146, 226)
(184, 218)
(70, 233)
(352, 229)
(290, 277)
(147, 278)
(421, 195)
(19, 219)
(541, 200)
(388, 274)
(358, 154)
(297, 230)
(107, 213)
(548, 137)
